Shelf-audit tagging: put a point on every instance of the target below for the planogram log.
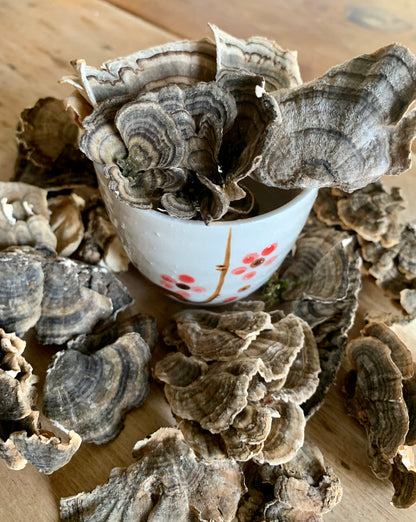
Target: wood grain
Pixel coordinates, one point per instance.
(39, 38)
(321, 30)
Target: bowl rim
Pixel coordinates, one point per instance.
(305, 193)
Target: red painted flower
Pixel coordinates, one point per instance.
(181, 285)
(254, 260)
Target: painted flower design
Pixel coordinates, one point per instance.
(183, 285)
(252, 262)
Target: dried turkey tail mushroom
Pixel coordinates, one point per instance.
(67, 214)
(48, 152)
(231, 108)
(219, 336)
(24, 216)
(372, 212)
(319, 283)
(278, 67)
(106, 384)
(348, 127)
(380, 392)
(166, 481)
(58, 296)
(247, 406)
(141, 323)
(387, 240)
(304, 489)
(21, 438)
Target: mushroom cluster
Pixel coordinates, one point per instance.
(179, 126)
(238, 381)
(167, 482)
(58, 296)
(302, 489)
(381, 394)
(319, 282)
(53, 200)
(21, 438)
(387, 241)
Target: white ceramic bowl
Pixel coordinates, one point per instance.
(213, 264)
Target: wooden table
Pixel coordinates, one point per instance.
(38, 39)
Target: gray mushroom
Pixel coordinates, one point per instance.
(320, 282)
(239, 394)
(347, 128)
(381, 394)
(58, 296)
(167, 481)
(21, 438)
(90, 393)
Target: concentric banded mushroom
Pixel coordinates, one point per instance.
(372, 212)
(58, 296)
(207, 102)
(347, 128)
(48, 151)
(241, 402)
(167, 481)
(381, 395)
(387, 242)
(91, 393)
(21, 439)
(50, 158)
(320, 282)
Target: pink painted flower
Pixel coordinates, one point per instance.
(182, 285)
(254, 260)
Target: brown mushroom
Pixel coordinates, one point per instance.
(377, 401)
(58, 296)
(48, 152)
(24, 217)
(167, 481)
(240, 407)
(219, 336)
(381, 394)
(320, 282)
(93, 399)
(21, 439)
(302, 489)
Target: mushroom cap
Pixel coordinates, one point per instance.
(44, 450)
(323, 280)
(376, 393)
(24, 216)
(106, 384)
(219, 336)
(243, 401)
(58, 296)
(48, 152)
(347, 128)
(166, 481)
